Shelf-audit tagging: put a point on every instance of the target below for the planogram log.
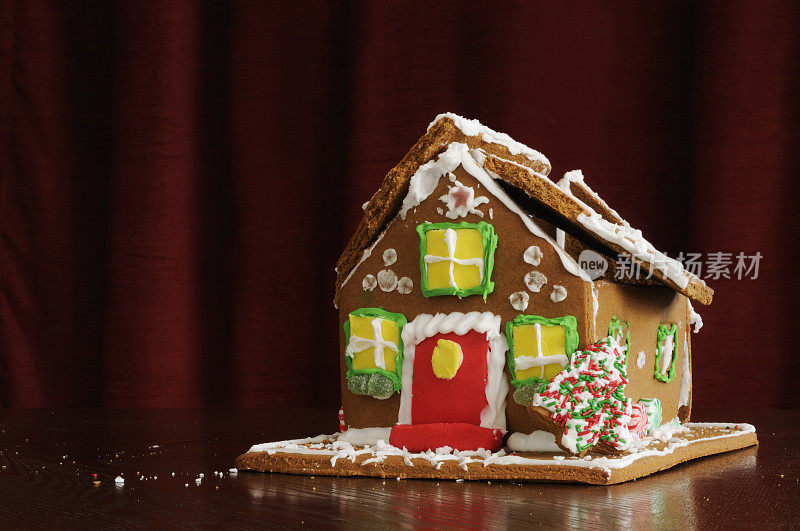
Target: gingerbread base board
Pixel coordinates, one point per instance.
(324, 456)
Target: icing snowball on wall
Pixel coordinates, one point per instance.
(389, 257)
(461, 200)
(519, 300)
(387, 280)
(405, 285)
(558, 294)
(535, 280)
(533, 255)
(369, 283)
(640, 359)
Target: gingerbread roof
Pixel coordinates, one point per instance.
(569, 204)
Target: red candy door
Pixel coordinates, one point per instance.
(460, 398)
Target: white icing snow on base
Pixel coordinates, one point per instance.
(538, 441)
(365, 436)
(332, 445)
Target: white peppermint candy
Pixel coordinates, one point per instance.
(532, 255)
(519, 300)
(405, 285)
(369, 283)
(535, 280)
(389, 257)
(387, 280)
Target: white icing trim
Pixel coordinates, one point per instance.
(640, 359)
(634, 243)
(624, 235)
(425, 326)
(576, 176)
(595, 308)
(366, 254)
(686, 374)
(426, 178)
(560, 238)
(475, 128)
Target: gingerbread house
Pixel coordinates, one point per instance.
(464, 286)
(487, 310)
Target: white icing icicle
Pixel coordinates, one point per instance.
(694, 318)
(686, 374)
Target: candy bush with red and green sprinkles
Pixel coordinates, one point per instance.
(587, 398)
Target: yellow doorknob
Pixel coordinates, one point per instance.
(446, 359)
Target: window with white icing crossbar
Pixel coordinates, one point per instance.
(666, 352)
(540, 347)
(377, 344)
(374, 343)
(456, 259)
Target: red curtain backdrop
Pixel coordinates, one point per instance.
(178, 178)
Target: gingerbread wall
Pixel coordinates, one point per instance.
(646, 307)
(513, 238)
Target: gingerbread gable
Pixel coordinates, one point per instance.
(570, 205)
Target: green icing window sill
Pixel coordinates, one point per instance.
(395, 377)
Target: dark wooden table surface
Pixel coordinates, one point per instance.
(47, 458)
